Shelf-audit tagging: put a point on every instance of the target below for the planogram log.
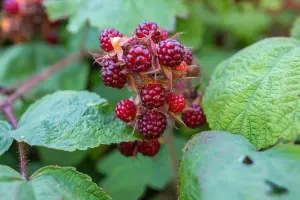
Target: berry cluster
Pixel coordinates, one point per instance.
(23, 19)
(155, 67)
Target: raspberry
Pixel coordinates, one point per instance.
(170, 52)
(139, 58)
(163, 34)
(188, 57)
(176, 102)
(146, 28)
(193, 117)
(111, 75)
(128, 148)
(152, 124)
(11, 6)
(105, 37)
(125, 110)
(148, 148)
(153, 95)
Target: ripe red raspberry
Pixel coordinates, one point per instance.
(138, 58)
(105, 37)
(11, 6)
(152, 124)
(194, 116)
(148, 147)
(111, 75)
(128, 148)
(125, 110)
(176, 102)
(188, 56)
(153, 96)
(170, 52)
(163, 34)
(146, 28)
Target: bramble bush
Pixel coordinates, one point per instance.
(150, 100)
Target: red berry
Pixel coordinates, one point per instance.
(188, 56)
(163, 34)
(170, 52)
(194, 116)
(146, 28)
(153, 96)
(125, 110)
(176, 102)
(148, 147)
(138, 58)
(52, 38)
(105, 37)
(128, 148)
(112, 75)
(152, 124)
(11, 6)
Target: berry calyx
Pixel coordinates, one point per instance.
(194, 116)
(138, 59)
(163, 34)
(170, 52)
(153, 96)
(112, 75)
(128, 148)
(176, 102)
(146, 28)
(105, 37)
(188, 56)
(148, 147)
(11, 6)
(152, 124)
(126, 110)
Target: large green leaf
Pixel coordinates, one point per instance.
(127, 178)
(106, 13)
(255, 93)
(49, 183)
(69, 120)
(5, 138)
(296, 29)
(20, 62)
(218, 165)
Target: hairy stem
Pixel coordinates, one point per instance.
(21, 146)
(33, 81)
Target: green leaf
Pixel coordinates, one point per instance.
(273, 5)
(218, 165)
(5, 138)
(106, 13)
(61, 158)
(192, 27)
(20, 62)
(50, 183)
(295, 32)
(255, 93)
(69, 120)
(127, 178)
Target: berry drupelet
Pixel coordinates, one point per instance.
(194, 116)
(153, 95)
(138, 59)
(112, 75)
(170, 52)
(146, 28)
(126, 110)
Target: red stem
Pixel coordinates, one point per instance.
(21, 146)
(33, 81)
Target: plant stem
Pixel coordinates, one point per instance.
(21, 146)
(172, 149)
(33, 81)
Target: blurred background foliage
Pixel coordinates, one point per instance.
(214, 29)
